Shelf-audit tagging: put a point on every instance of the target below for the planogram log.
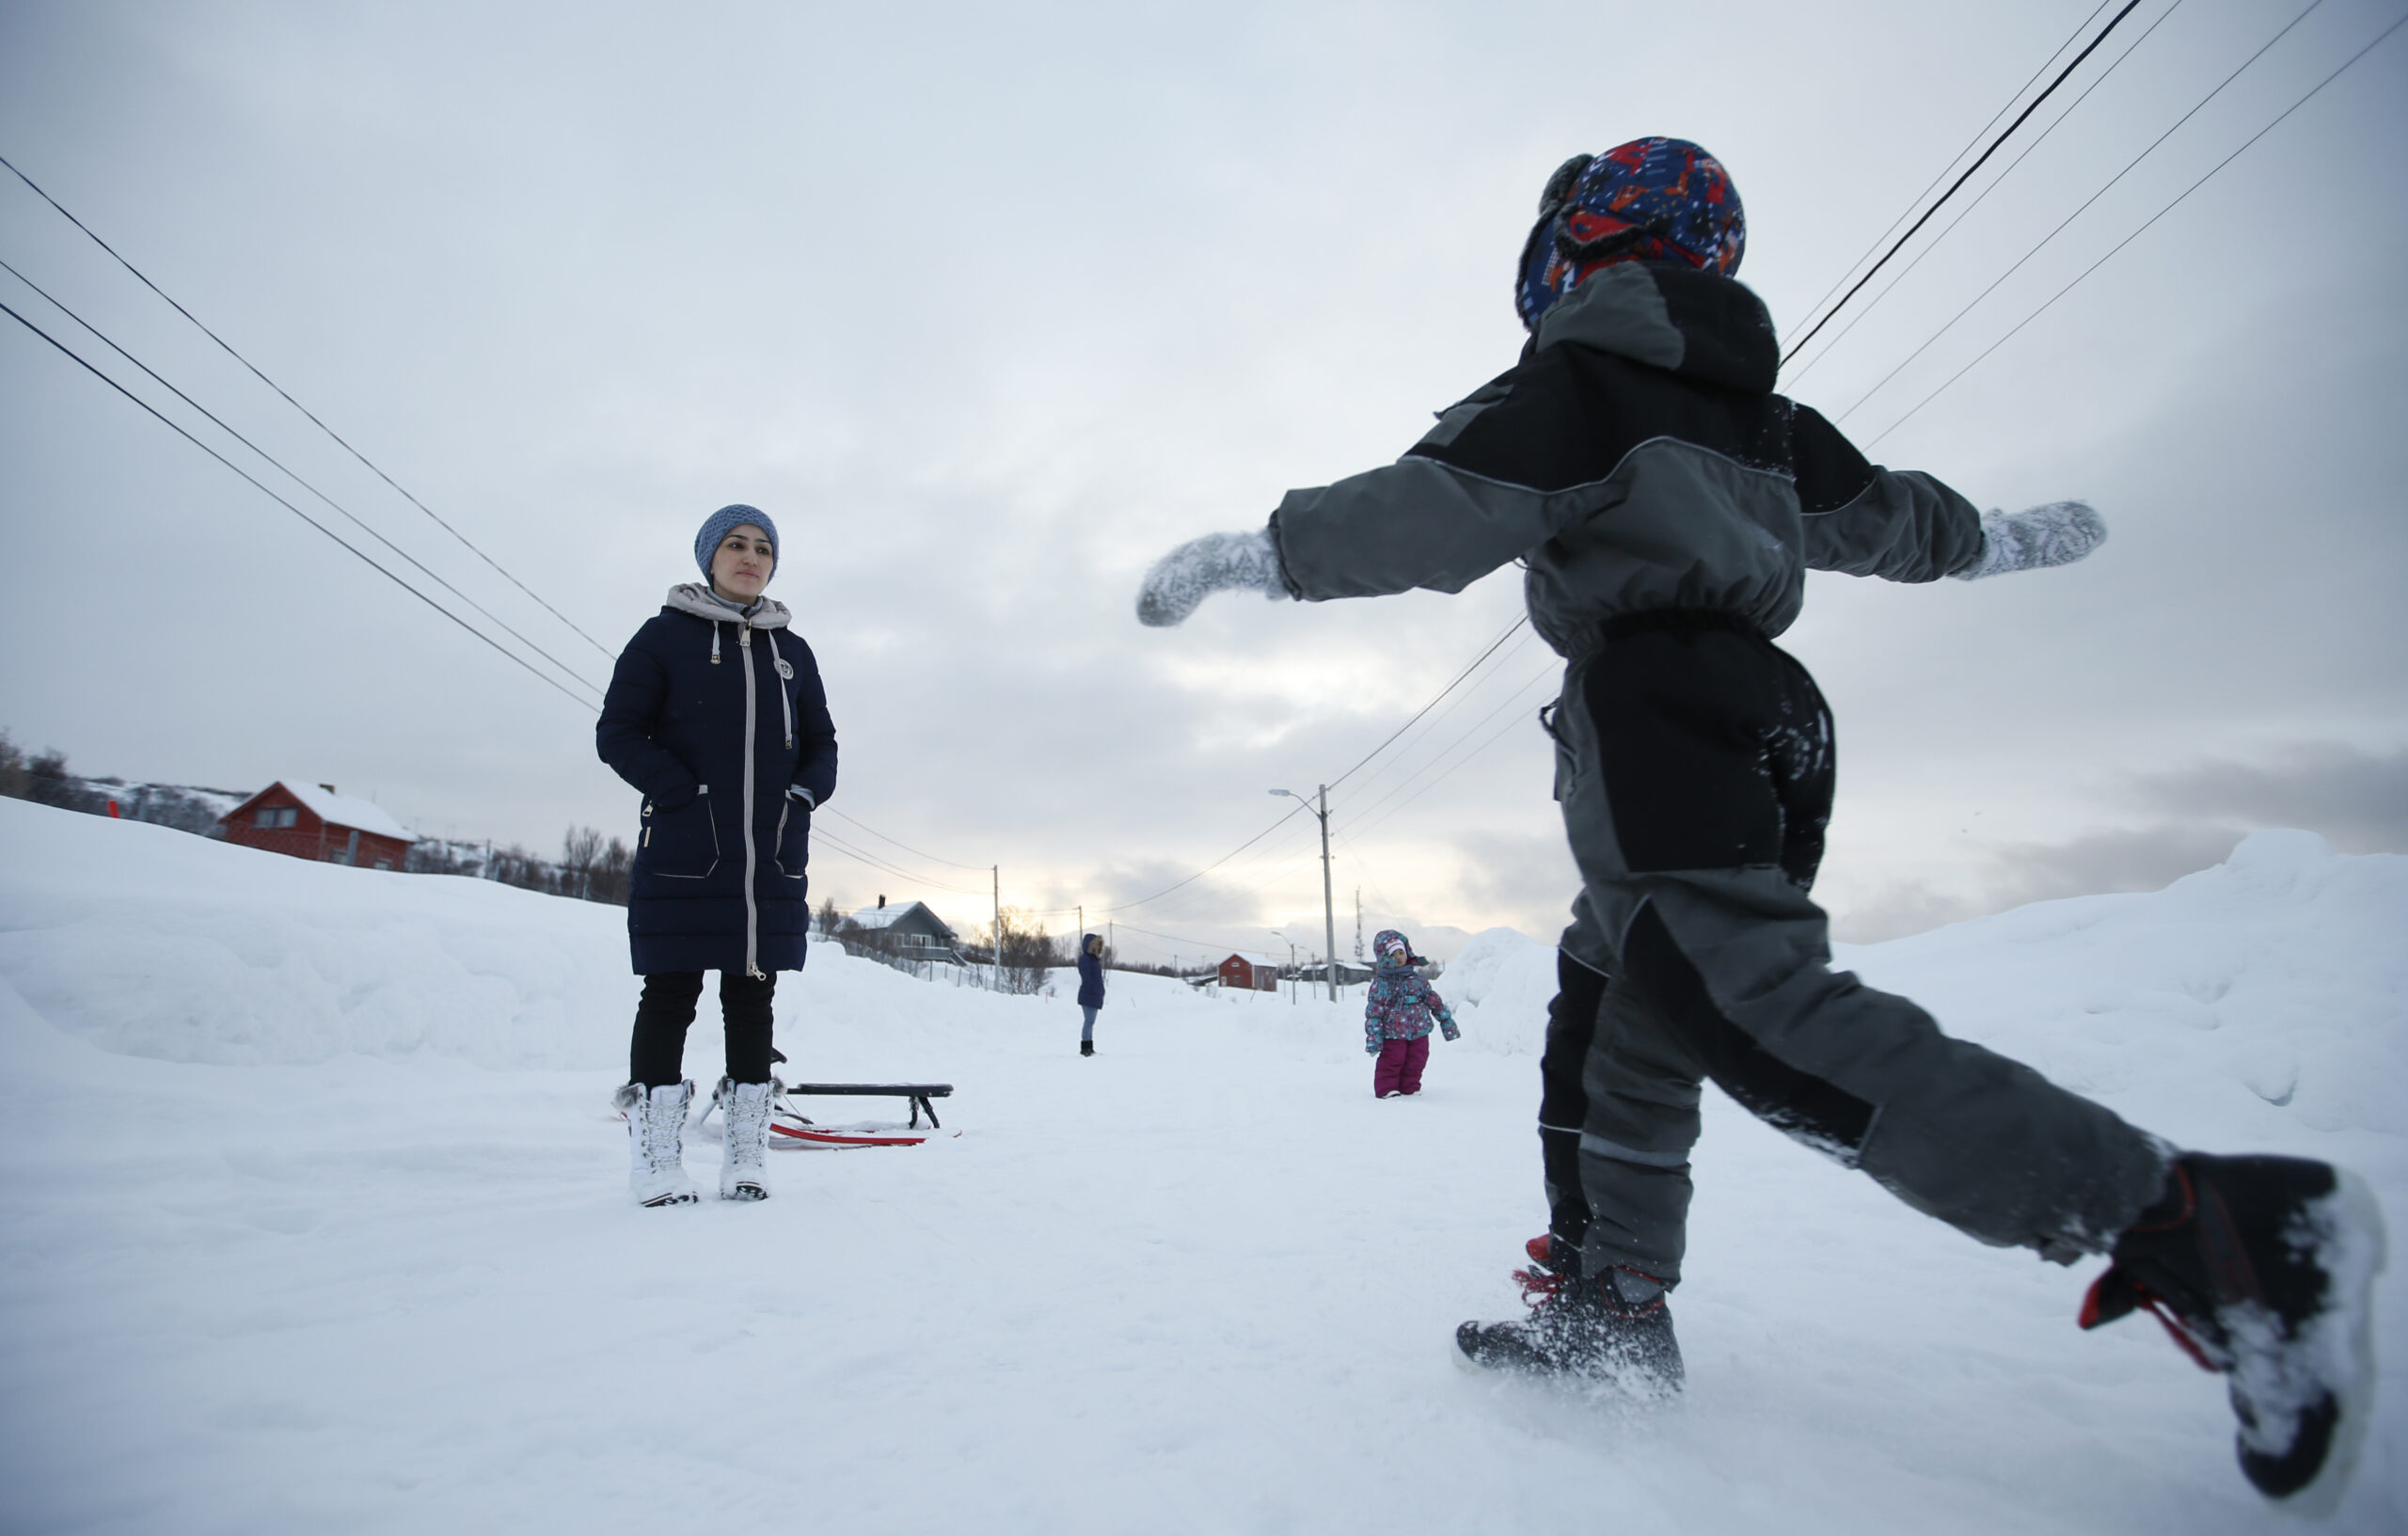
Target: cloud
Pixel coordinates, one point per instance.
(2357, 800)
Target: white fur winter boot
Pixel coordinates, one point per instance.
(656, 1133)
(745, 1112)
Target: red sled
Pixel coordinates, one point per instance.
(799, 1129)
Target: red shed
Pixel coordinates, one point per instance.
(311, 821)
(1242, 973)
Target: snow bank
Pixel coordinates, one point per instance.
(153, 943)
(2263, 998)
(1499, 987)
(287, 1254)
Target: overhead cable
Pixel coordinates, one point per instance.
(1292, 812)
(1511, 700)
(2094, 266)
(1507, 634)
(81, 363)
(1908, 212)
(2128, 167)
(303, 409)
(821, 834)
(1495, 665)
(2009, 131)
(905, 846)
(490, 617)
(1932, 244)
(1433, 702)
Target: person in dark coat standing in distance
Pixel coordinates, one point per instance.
(716, 714)
(1091, 989)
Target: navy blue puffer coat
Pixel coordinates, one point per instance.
(1091, 975)
(721, 721)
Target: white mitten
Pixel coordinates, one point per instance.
(2058, 533)
(1200, 567)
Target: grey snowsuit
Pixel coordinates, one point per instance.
(1667, 505)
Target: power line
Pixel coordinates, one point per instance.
(1217, 864)
(298, 406)
(489, 615)
(1549, 670)
(2130, 165)
(1433, 702)
(1996, 182)
(905, 846)
(1499, 735)
(1495, 665)
(1507, 634)
(1513, 699)
(2002, 138)
(821, 834)
(2094, 266)
(1200, 944)
(1916, 201)
(287, 506)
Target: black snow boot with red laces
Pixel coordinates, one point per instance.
(2263, 1269)
(1614, 1331)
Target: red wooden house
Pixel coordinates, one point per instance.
(1243, 974)
(311, 821)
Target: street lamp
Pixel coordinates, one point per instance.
(1292, 964)
(1328, 904)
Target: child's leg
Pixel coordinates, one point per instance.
(655, 1056)
(1386, 1070)
(1697, 825)
(1563, 1099)
(745, 1002)
(1641, 1084)
(1417, 1056)
(1086, 1030)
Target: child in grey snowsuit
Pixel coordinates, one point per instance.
(1398, 1011)
(1666, 503)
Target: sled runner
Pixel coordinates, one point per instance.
(787, 1121)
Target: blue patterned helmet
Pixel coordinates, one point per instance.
(1652, 199)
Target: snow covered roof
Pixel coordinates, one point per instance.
(892, 914)
(344, 810)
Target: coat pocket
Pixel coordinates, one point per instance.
(682, 844)
(794, 839)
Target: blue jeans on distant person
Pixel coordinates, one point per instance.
(1087, 1031)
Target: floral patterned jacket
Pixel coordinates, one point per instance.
(1400, 1005)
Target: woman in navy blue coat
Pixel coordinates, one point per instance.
(1091, 989)
(716, 714)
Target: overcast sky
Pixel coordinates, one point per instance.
(988, 306)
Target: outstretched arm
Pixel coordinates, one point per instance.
(1903, 524)
(1423, 521)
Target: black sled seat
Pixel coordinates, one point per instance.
(918, 1093)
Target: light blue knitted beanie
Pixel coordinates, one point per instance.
(716, 525)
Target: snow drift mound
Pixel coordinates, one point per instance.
(153, 943)
(1499, 987)
(2235, 998)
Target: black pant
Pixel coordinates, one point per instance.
(656, 1058)
(1696, 779)
(1563, 1097)
(1727, 746)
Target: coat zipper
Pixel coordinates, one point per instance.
(751, 910)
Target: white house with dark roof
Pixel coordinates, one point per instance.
(903, 929)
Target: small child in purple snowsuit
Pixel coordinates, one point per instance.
(1397, 1017)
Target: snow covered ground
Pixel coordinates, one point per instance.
(313, 1220)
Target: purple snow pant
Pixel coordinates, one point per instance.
(1398, 1068)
